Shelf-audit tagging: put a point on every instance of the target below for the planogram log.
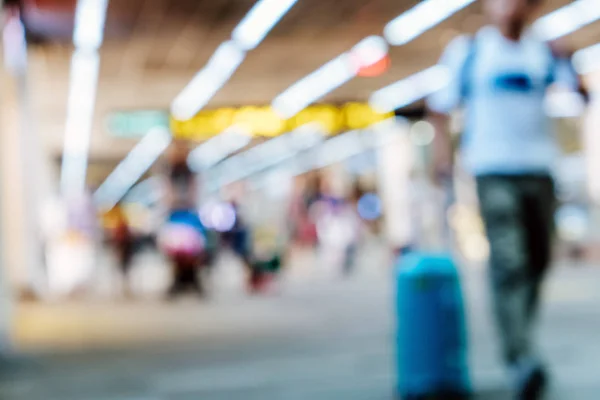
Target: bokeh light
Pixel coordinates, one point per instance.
(369, 207)
(422, 133)
(222, 217)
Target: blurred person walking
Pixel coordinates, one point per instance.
(302, 225)
(266, 257)
(124, 244)
(183, 238)
(356, 229)
(337, 227)
(501, 76)
(239, 239)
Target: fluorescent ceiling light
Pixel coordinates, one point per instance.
(314, 86)
(208, 81)
(410, 89)
(352, 143)
(336, 149)
(259, 21)
(401, 30)
(89, 24)
(132, 168)
(587, 60)
(88, 31)
(277, 150)
(300, 152)
(148, 191)
(306, 136)
(215, 150)
(246, 36)
(567, 19)
(339, 148)
(345, 146)
(420, 19)
(80, 113)
(268, 154)
(329, 77)
(370, 50)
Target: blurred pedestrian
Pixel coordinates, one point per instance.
(183, 238)
(266, 257)
(302, 224)
(239, 239)
(356, 228)
(337, 226)
(501, 77)
(124, 242)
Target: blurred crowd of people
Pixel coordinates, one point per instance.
(316, 219)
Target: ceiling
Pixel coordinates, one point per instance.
(152, 49)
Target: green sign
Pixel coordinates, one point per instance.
(134, 124)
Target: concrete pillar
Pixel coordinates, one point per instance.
(11, 182)
(591, 144)
(395, 163)
(23, 179)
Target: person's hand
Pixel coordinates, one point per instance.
(443, 171)
(444, 178)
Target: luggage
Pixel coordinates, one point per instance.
(431, 336)
(431, 339)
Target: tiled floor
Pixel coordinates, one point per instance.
(320, 342)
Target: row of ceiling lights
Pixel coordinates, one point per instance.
(250, 32)
(266, 13)
(88, 34)
(406, 91)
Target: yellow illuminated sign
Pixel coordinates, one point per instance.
(204, 125)
(259, 121)
(265, 122)
(330, 118)
(361, 116)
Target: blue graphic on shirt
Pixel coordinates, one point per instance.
(514, 82)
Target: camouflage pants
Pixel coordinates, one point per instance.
(518, 212)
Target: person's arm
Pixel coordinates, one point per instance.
(441, 103)
(565, 71)
(583, 90)
(443, 152)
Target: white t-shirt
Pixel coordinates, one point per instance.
(507, 130)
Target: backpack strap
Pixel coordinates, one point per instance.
(466, 73)
(552, 66)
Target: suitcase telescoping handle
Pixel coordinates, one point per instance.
(433, 232)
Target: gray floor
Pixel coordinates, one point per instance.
(320, 341)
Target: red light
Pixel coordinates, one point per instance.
(376, 69)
